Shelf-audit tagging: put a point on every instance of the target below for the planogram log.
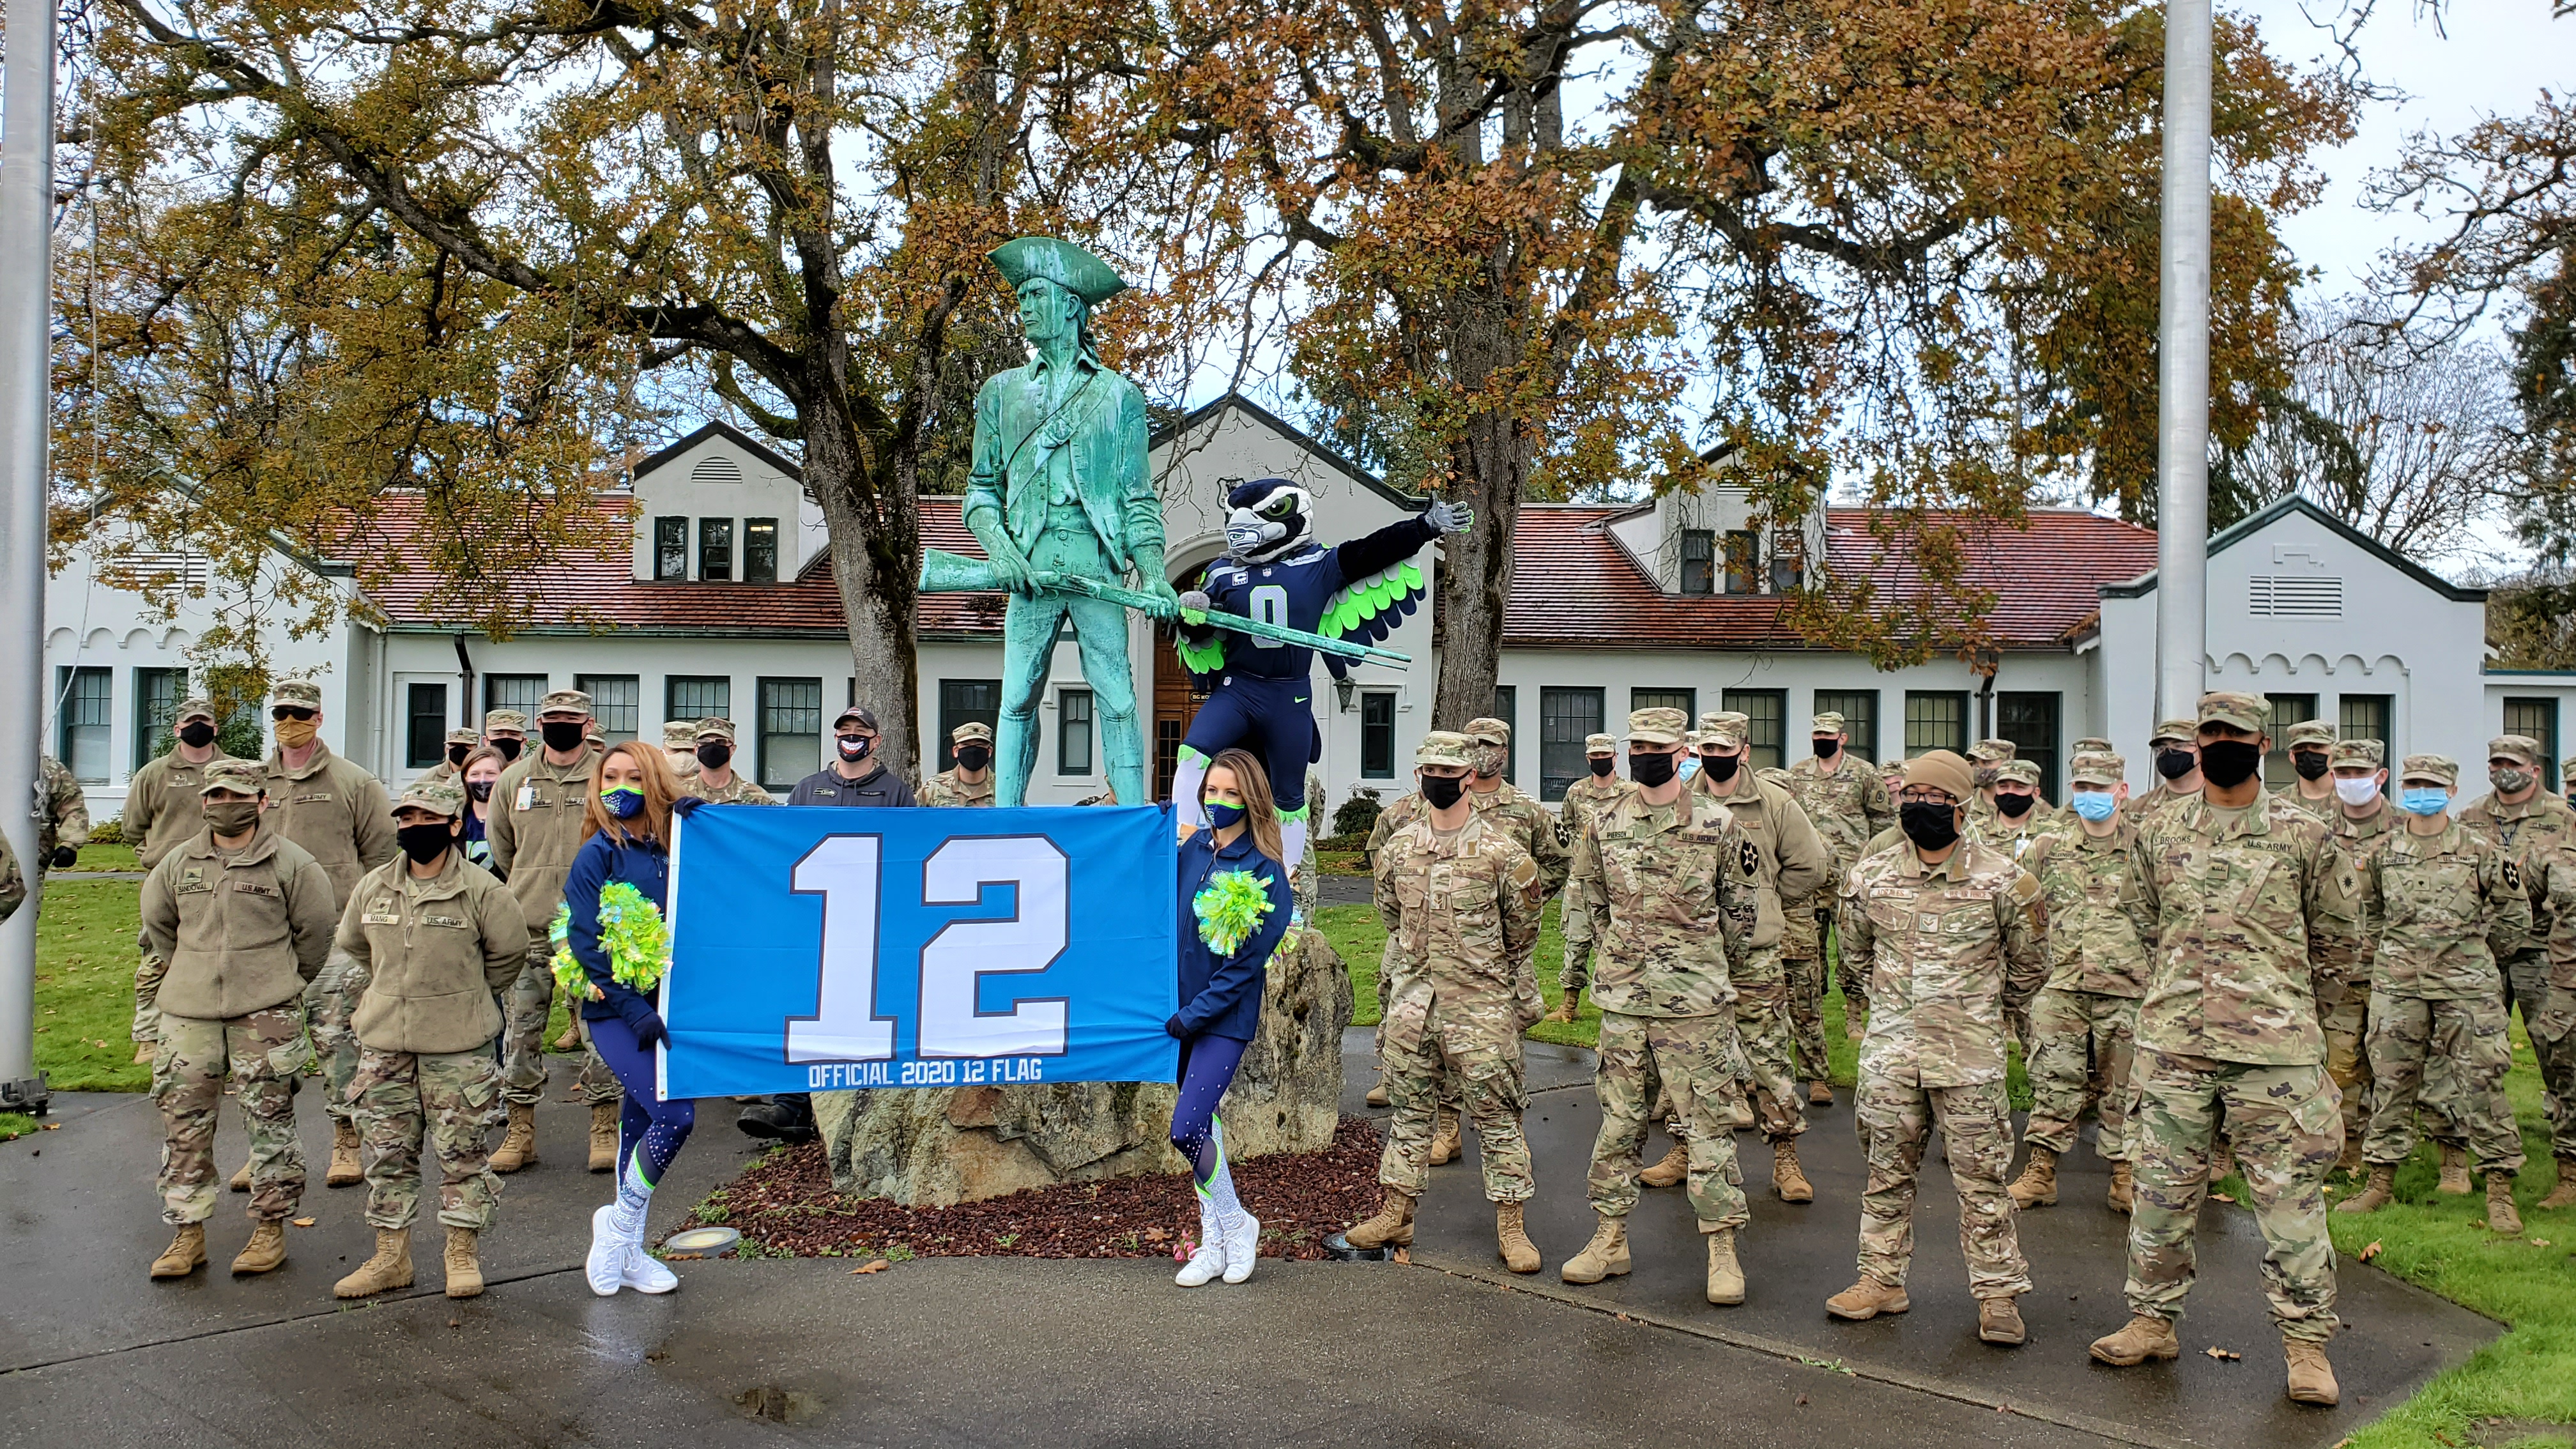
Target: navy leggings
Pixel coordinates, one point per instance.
(1207, 1069)
(1273, 718)
(645, 1122)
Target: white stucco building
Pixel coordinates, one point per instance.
(713, 595)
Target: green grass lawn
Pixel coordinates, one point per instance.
(108, 857)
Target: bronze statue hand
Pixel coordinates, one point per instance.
(1167, 602)
(1011, 569)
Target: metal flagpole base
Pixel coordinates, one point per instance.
(28, 1095)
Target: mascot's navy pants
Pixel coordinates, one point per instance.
(1273, 718)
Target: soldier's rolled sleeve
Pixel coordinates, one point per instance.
(1856, 939)
(505, 940)
(1522, 905)
(1735, 928)
(1555, 862)
(1876, 805)
(1586, 889)
(161, 910)
(2143, 901)
(310, 917)
(2334, 913)
(1390, 911)
(1805, 864)
(2509, 921)
(2021, 922)
(376, 841)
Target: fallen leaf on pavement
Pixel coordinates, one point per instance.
(2221, 1354)
(304, 1222)
(1156, 1235)
(2370, 1252)
(53, 1126)
(873, 1265)
(1404, 1255)
(2220, 1197)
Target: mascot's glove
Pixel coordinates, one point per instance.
(1450, 517)
(1195, 601)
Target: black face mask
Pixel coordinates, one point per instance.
(1929, 824)
(2229, 763)
(563, 736)
(2014, 807)
(1442, 791)
(715, 754)
(1827, 748)
(973, 757)
(2310, 764)
(1720, 767)
(456, 753)
(425, 843)
(853, 749)
(1651, 770)
(479, 789)
(196, 734)
(509, 746)
(1602, 765)
(2174, 764)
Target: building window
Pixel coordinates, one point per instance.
(424, 725)
(715, 550)
(760, 550)
(697, 696)
(87, 698)
(1935, 719)
(616, 701)
(2368, 717)
(1744, 562)
(962, 701)
(1767, 714)
(2287, 710)
(522, 692)
(1788, 562)
(791, 731)
(156, 711)
(1566, 717)
(670, 550)
(1685, 700)
(2537, 719)
(1377, 734)
(2029, 720)
(1507, 706)
(1073, 732)
(1699, 561)
(1859, 709)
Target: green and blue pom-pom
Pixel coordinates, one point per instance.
(631, 931)
(1230, 907)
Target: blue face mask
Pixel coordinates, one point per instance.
(2420, 801)
(1224, 817)
(2093, 805)
(623, 801)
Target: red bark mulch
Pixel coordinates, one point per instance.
(784, 1206)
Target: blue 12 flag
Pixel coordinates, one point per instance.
(818, 949)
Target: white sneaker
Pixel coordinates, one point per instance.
(645, 1273)
(1209, 1259)
(606, 1265)
(1242, 1248)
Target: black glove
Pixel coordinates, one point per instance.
(1176, 1030)
(65, 857)
(648, 1028)
(686, 805)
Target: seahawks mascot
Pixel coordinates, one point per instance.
(1274, 572)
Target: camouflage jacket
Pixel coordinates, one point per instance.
(946, 789)
(2448, 908)
(2249, 909)
(2524, 832)
(1461, 912)
(1782, 862)
(2093, 943)
(2145, 810)
(13, 886)
(2329, 809)
(1527, 820)
(66, 819)
(1949, 949)
(737, 790)
(2359, 840)
(1585, 799)
(2015, 838)
(2558, 870)
(1657, 882)
(1847, 807)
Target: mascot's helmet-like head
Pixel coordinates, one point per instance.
(1266, 518)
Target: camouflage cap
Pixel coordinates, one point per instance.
(498, 721)
(2567, 770)
(564, 701)
(197, 707)
(2249, 712)
(1659, 726)
(1827, 723)
(2095, 745)
(1991, 752)
(2178, 730)
(1600, 745)
(972, 729)
(1724, 728)
(439, 796)
(2019, 772)
(2310, 732)
(713, 727)
(1940, 770)
(1445, 747)
(295, 694)
(462, 737)
(2098, 767)
(679, 734)
(2522, 748)
(242, 777)
(2441, 769)
(2368, 754)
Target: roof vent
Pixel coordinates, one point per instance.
(2288, 596)
(716, 469)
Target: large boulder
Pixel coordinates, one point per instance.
(933, 1147)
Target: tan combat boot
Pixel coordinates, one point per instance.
(2222, 1161)
(1674, 1166)
(2380, 1193)
(389, 1269)
(1377, 1096)
(1867, 1299)
(185, 1255)
(1788, 1179)
(1445, 1143)
(1999, 1321)
(146, 1053)
(1391, 1228)
(570, 1040)
(2312, 1379)
(518, 1145)
(241, 1179)
(1725, 1274)
(2145, 1337)
(265, 1251)
(1566, 1009)
(2564, 1194)
(1606, 1256)
(464, 1274)
(2350, 1163)
(1820, 1094)
(603, 1137)
(2455, 1172)
(2502, 1217)
(344, 1156)
(2121, 1184)
(1511, 1241)
(1739, 1112)
(2037, 1185)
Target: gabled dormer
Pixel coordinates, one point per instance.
(718, 507)
(1708, 540)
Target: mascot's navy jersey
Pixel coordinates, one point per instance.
(1292, 590)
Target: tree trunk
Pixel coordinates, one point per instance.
(875, 537)
(1490, 463)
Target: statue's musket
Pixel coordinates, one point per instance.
(949, 573)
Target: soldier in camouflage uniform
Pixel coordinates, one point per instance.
(243, 915)
(680, 746)
(715, 780)
(2521, 819)
(2087, 1014)
(2343, 1007)
(1461, 903)
(1986, 759)
(13, 883)
(1584, 799)
(161, 813)
(1948, 928)
(2249, 900)
(1847, 801)
(2311, 746)
(506, 730)
(2447, 906)
(460, 743)
(971, 782)
(65, 827)
(2016, 789)
(2174, 747)
(2556, 1023)
(1653, 871)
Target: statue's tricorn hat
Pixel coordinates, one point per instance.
(1060, 262)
